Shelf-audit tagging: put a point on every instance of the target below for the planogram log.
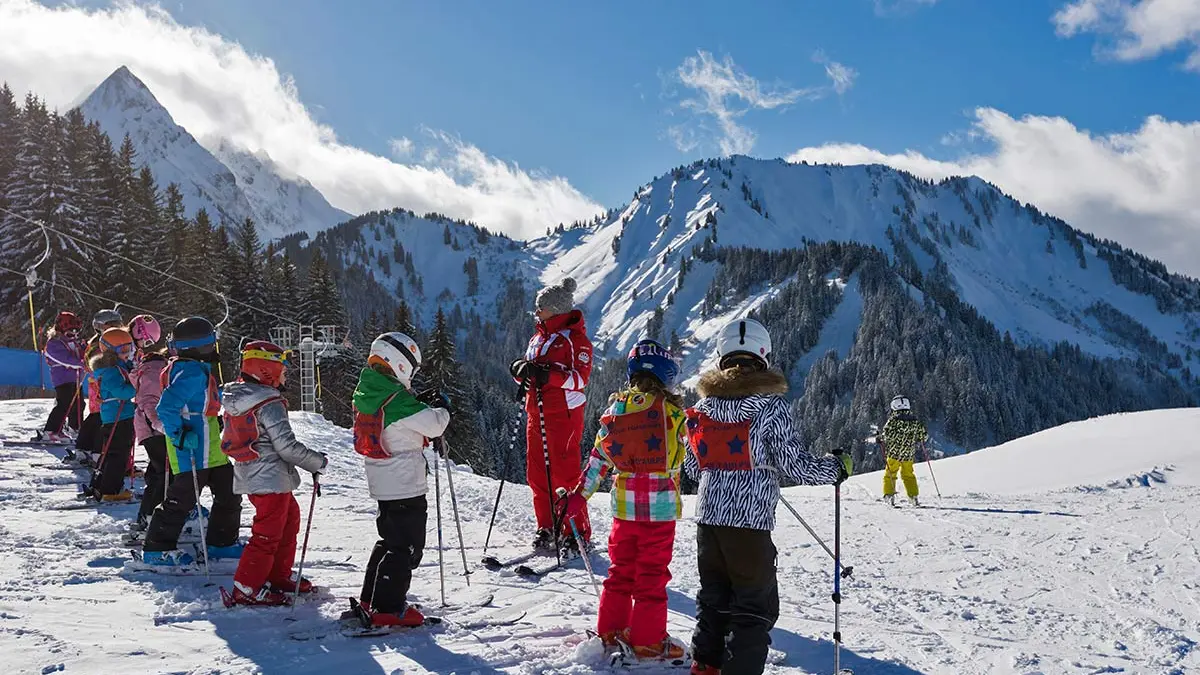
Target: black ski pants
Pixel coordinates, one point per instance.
(89, 430)
(738, 602)
(401, 526)
(116, 444)
(157, 475)
(224, 519)
(68, 408)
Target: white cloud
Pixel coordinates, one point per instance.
(842, 76)
(726, 93)
(216, 89)
(1136, 188)
(1135, 29)
(401, 147)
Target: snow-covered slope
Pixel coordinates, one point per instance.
(1038, 568)
(283, 202)
(1029, 274)
(232, 184)
(122, 105)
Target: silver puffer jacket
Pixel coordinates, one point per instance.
(279, 453)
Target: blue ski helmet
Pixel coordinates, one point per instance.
(648, 356)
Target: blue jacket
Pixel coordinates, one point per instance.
(189, 410)
(116, 393)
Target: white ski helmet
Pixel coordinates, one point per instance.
(901, 403)
(399, 353)
(744, 336)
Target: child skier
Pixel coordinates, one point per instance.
(147, 380)
(642, 438)
(901, 435)
(391, 430)
(87, 445)
(110, 370)
(187, 411)
(259, 438)
(742, 440)
(64, 354)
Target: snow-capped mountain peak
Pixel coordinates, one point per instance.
(231, 183)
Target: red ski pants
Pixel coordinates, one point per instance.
(563, 431)
(272, 548)
(635, 592)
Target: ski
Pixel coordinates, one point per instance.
(537, 571)
(623, 656)
(224, 567)
(493, 563)
(63, 467)
(351, 624)
(475, 603)
(36, 444)
(89, 503)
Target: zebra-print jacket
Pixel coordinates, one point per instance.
(747, 496)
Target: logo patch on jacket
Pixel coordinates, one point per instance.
(637, 442)
(720, 446)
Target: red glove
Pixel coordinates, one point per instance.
(576, 506)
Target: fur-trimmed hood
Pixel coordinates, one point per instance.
(103, 359)
(740, 383)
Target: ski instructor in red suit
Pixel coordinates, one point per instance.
(557, 365)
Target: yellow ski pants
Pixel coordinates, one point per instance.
(905, 469)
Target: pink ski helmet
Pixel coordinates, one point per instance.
(145, 331)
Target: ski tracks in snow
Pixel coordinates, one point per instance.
(1074, 581)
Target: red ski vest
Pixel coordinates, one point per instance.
(637, 442)
(368, 432)
(721, 446)
(240, 432)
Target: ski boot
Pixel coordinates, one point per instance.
(263, 597)
(289, 585)
(702, 669)
(912, 501)
(122, 496)
(543, 540)
(570, 549)
(233, 551)
(612, 639)
(670, 650)
(140, 525)
(409, 617)
(890, 500)
(173, 558)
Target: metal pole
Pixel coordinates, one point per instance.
(312, 504)
(845, 571)
(437, 487)
(462, 546)
(512, 444)
(925, 447)
(549, 484)
(837, 579)
(200, 518)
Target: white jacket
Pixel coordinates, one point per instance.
(402, 474)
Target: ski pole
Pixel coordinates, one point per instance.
(312, 504)
(837, 579)
(845, 571)
(437, 488)
(925, 447)
(462, 547)
(583, 549)
(200, 518)
(549, 484)
(512, 444)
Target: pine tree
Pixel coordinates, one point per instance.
(245, 271)
(174, 256)
(10, 135)
(148, 239)
(402, 321)
(322, 300)
(441, 371)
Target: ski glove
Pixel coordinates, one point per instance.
(324, 465)
(528, 370)
(434, 399)
(847, 468)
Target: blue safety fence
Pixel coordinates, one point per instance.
(23, 368)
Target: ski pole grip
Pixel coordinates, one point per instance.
(317, 484)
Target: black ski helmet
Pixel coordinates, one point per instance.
(194, 338)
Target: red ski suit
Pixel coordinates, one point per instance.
(562, 344)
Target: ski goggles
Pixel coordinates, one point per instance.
(284, 357)
(192, 344)
(122, 350)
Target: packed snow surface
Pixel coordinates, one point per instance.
(1071, 551)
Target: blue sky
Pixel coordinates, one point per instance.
(521, 115)
(589, 90)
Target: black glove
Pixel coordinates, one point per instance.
(528, 370)
(434, 399)
(846, 465)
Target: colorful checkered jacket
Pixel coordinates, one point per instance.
(642, 439)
